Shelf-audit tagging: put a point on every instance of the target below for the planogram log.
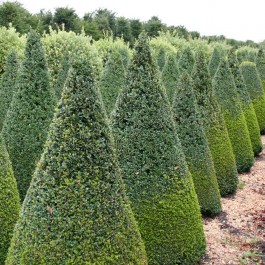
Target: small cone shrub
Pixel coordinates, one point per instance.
(154, 168)
(30, 113)
(254, 86)
(195, 147)
(215, 128)
(112, 80)
(161, 59)
(247, 106)
(186, 61)
(76, 210)
(215, 60)
(170, 76)
(260, 63)
(8, 85)
(242, 55)
(231, 108)
(9, 202)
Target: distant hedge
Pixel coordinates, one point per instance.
(153, 166)
(9, 202)
(215, 128)
(247, 106)
(254, 86)
(228, 98)
(76, 210)
(195, 146)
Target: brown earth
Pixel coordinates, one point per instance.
(237, 234)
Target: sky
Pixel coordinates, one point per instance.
(237, 19)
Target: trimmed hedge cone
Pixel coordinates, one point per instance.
(260, 63)
(153, 165)
(254, 86)
(195, 147)
(170, 76)
(8, 85)
(30, 113)
(224, 85)
(247, 106)
(112, 80)
(76, 210)
(9, 202)
(215, 128)
(161, 59)
(215, 60)
(186, 61)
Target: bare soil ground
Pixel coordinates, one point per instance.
(237, 234)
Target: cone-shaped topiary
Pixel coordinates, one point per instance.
(242, 55)
(254, 86)
(170, 76)
(30, 113)
(215, 60)
(186, 61)
(260, 63)
(76, 210)
(8, 85)
(195, 147)
(224, 85)
(161, 59)
(154, 168)
(112, 80)
(215, 128)
(247, 106)
(9, 202)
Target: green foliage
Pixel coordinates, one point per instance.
(136, 28)
(228, 98)
(10, 40)
(246, 53)
(215, 60)
(260, 63)
(242, 55)
(9, 202)
(8, 85)
(247, 106)
(154, 168)
(60, 44)
(170, 76)
(214, 126)
(254, 86)
(123, 29)
(112, 79)
(195, 147)
(76, 210)
(186, 61)
(153, 26)
(30, 113)
(161, 59)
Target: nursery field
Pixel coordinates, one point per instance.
(237, 234)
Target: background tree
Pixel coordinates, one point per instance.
(8, 85)
(195, 146)
(105, 20)
(153, 26)
(214, 126)
(9, 202)
(154, 168)
(123, 29)
(30, 113)
(136, 28)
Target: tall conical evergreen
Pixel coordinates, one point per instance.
(215, 60)
(170, 76)
(242, 55)
(8, 85)
(112, 80)
(260, 63)
(254, 86)
(9, 202)
(30, 113)
(76, 210)
(247, 106)
(186, 61)
(215, 128)
(154, 168)
(195, 147)
(224, 85)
